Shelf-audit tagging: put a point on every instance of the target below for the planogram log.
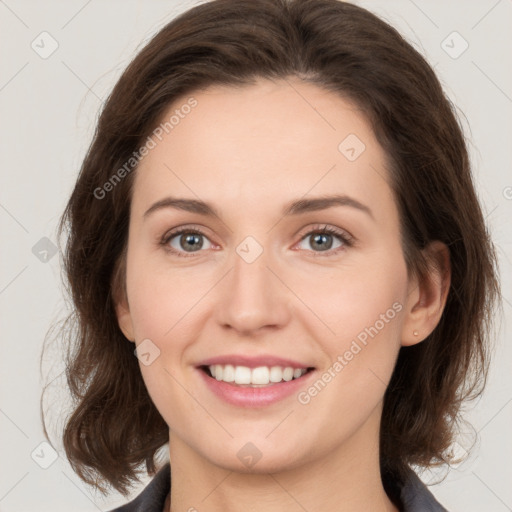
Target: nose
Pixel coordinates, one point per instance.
(253, 296)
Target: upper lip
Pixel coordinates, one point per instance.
(253, 362)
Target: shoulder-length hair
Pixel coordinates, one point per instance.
(114, 426)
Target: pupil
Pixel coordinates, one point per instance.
(191, 239)
(323, 236)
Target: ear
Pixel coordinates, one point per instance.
(124, 319)
(120, 298)
(427, 295)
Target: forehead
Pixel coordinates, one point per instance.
(262, 141)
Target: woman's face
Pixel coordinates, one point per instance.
(261, 286)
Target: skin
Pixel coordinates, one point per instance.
(249, 151)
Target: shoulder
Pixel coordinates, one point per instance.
(416, 497)
(152, 498)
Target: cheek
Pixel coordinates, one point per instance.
(160, 296)
(361, 312)
(365, 311)
(366, 318)
(344, 301)
(164, 308)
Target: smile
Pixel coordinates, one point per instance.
(261, 386)
(260, 376)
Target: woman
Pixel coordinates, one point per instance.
(277, 210)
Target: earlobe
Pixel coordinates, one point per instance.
(428, 295)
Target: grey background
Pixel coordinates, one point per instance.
(48, 109)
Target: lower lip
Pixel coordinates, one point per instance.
(254, 397)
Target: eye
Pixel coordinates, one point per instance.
(322, 239)
(185, 240)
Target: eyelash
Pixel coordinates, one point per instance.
(344, 237)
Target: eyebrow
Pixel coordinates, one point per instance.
(296, 207)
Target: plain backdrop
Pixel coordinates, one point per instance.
(59, 61)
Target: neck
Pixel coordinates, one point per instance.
(346, 479)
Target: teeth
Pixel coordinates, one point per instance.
(261, 376)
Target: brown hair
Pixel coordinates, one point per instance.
(114, 426)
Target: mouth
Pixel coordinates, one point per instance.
(259, 377)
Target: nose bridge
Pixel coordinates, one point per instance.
(253, 297)
(250, 274)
